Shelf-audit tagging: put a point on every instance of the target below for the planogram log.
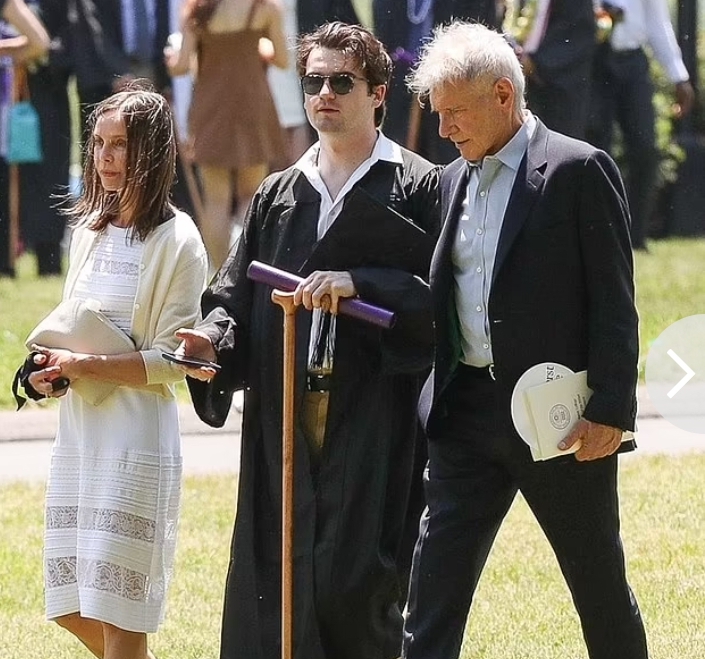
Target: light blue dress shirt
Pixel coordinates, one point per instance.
(475, 245)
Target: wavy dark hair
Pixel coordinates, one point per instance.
(357, 43)
(150, 164)
(198, 13)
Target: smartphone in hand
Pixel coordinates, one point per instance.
(192, 362)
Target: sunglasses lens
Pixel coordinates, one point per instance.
(340, 83)
(312, 84)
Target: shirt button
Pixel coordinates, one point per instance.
(137, 306)
(478, 308)
(483, 193)
(142, 266)
(479, 270)
(485, 345)
(479, 232)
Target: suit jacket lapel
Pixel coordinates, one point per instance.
(454, 183)
(527, 189)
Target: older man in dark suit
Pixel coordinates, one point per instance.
(533, 265)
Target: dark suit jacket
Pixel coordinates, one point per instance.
(392, 25)
(568, 44)
(562, 286)
(95, 42)
(162, 81)
(312, 13)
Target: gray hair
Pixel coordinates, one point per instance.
(466, 51)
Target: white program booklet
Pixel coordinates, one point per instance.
(555, 407)
(552, 409)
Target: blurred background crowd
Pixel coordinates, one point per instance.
(612, 73)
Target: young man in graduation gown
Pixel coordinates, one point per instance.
(353, 461)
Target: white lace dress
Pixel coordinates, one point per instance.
(115, 477)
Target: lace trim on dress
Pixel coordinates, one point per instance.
(62, 517)
(97, 575)
(102, 519)
(115, 579)
(60, 571)
(120, 523)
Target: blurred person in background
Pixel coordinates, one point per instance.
(288, 99)
(95, 44)
(234, 130)
(145, 29)
(622, 93)
(146, 26)
(30, 40)
(403, 25)
(41, 222)
(311, 14)
(556, 42)
(23, 40)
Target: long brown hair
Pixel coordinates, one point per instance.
(150, 166)
(198, 13)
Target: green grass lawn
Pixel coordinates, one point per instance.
(522, 608)
(670, 285)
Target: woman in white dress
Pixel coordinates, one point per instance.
(113, 493)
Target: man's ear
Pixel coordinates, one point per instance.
(504, 91)
(379, 92)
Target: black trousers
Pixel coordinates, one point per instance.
(622, 92)
(476, 466)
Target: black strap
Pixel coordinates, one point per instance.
(22, 378)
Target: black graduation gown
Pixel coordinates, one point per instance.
(348, 520)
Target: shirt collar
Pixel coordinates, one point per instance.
(512, 153)
(384, 149)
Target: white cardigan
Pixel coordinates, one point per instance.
(172, 277)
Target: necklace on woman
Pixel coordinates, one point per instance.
(418, 15)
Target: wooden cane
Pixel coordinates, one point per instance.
(286, 302)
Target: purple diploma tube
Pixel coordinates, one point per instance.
(353, 307)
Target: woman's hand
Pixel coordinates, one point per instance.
(63, 362)
(48, 381)
(196, 344)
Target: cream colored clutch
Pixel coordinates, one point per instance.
(78, 326)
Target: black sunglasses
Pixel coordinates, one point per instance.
(340, 83)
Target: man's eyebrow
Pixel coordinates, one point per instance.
(455, 108)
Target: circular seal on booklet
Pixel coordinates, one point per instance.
(559, 416)
(538, 374)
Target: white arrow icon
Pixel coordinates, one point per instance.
(689, 373)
